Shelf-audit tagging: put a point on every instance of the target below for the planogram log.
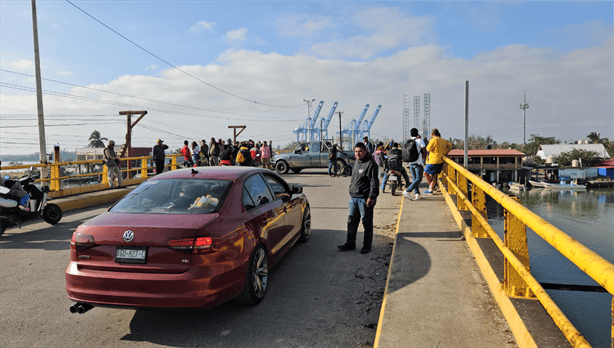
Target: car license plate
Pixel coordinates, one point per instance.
(392, 177)
(131, 254)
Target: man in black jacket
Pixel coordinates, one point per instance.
(158, 155)
(364, 189)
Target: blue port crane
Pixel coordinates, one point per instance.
(324, 128)
(366, 126)
(356, 129)
(305, 128)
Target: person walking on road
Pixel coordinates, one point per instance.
(370, 146)
(332, 161)
(187, 154)
(416, 147)
(112, 162)
(364, 189)
(158, 155)
(214, 153)
(437, 148)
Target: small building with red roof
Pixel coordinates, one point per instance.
(491, 165)
(606, 168)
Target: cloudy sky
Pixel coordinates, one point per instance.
(199, 66)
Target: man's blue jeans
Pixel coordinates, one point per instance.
(416, 172)
(331, 165)
(358, 209)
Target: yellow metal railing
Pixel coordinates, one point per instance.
(518, 280)
(55, 179)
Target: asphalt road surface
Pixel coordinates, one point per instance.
(317, 296)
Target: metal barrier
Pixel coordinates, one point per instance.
(55, 179)
(518, 280)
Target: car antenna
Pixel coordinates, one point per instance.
(194, 172)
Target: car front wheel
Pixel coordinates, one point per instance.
(257, 278)
(282, 167)
(306, 228)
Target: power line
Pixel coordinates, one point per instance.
(173, 66)
(82, 98)
(130, 96)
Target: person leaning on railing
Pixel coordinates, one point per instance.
(158, 155)
(437, 148)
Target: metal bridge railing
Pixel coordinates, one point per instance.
(518, 280)
(55, 178)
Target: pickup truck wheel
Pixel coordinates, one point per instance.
(296, 170)
(281, 167)
(345, 170)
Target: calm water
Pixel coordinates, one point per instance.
(589, 218)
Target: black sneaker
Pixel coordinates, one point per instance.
(346, 247)
(365, 250)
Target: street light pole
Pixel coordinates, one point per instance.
(524, 106)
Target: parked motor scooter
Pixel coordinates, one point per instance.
(13, 213)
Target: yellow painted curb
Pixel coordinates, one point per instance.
(520, 331)
(92, 200)
(381, 312)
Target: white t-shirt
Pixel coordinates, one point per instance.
(419, 145)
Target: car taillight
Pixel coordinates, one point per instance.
(81, 241)
(192, 245)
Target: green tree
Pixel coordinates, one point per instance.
(596, 138)
(588, 158)
(96, 140)
(535, 141)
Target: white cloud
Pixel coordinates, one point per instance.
(384, 29)
(151, 67)
(22, 64)
(570, 94)
(236, 37)
(302, 25)
(65, 73)
(201, 26)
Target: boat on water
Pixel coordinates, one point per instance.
(563, 186)
(537, 184)
(516, 186)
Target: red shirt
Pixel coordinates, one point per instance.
(185, 151)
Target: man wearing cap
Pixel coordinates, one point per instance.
(158, 155)
(111, 161)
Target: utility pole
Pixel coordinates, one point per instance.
(524, 106)
(39, 95)
(234, 130)
(340, 133)
(130, 125)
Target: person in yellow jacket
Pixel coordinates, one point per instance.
(437, 148)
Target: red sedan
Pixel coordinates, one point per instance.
(188, 238)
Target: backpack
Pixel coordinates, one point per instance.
(410, 151)
(240, 158)
(395, 163)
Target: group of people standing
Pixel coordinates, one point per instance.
(364, 186)
(218, 153)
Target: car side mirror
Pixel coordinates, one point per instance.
(296, 189)
(263, 200)
(297, 151)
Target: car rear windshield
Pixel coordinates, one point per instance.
(175, 196)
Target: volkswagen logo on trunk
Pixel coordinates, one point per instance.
(128, 236)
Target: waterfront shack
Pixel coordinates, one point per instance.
(493, 166)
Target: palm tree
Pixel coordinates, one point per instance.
(595, 137)
(96, 140)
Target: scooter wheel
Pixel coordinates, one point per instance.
(52, 214)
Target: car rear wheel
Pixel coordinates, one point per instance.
(306, 228)
(257, 278)
(52, 214)
(281, 167)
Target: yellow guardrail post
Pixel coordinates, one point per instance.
(516, 240)
(461, 183)
(478, 199)
(54, 175)
(144, 168)
(451, 179)
(105, 175)
(174, 163)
